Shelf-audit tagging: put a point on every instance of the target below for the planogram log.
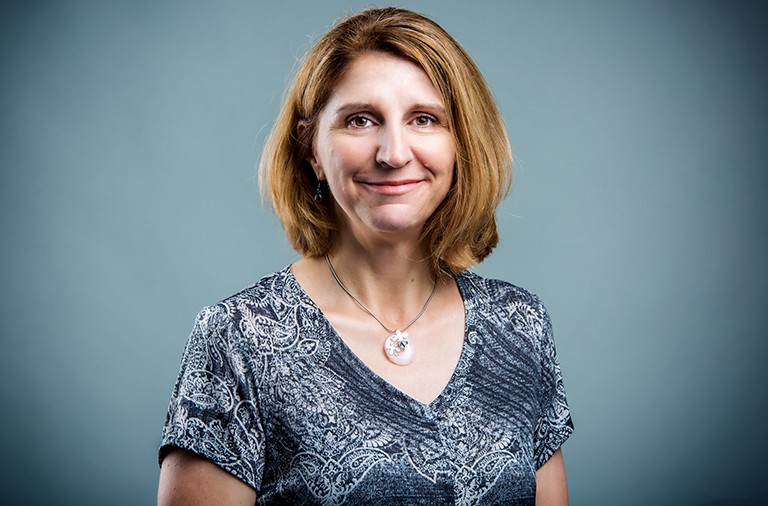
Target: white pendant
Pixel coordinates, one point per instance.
(398, 348)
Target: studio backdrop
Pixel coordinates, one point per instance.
(129, 138)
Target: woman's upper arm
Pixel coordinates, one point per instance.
(188, 479)
(551, 486)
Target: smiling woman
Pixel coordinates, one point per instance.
(376, 369)
(384, 147)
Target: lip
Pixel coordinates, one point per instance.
(394, 187)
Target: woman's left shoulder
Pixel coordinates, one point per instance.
(497, 291)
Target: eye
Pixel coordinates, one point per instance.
(359, 122)
(424, 120)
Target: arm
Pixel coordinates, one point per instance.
(551, 487)
(188, 479)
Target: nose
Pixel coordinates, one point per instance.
(394, 149)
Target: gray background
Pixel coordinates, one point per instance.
(129, 134)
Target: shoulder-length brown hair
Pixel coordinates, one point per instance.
(462, 230)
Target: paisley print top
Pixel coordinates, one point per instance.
(269, 392)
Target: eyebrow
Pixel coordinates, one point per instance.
(354, 106)
(367, 106)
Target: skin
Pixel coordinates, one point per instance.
(190, 480)
(384, 147)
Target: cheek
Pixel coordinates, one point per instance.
(349, 155)
(440, 156)
(449, 159)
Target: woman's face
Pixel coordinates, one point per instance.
(384, 147)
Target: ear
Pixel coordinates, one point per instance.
(311, 158)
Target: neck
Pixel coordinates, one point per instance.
(392, 281)
(370, 313)
(397, 257)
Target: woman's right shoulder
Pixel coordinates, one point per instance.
(267, 298)
(270, 313)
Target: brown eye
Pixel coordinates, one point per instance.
(424, 120)
(359, 121)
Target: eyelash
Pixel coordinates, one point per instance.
(351, 121)
(432, 120)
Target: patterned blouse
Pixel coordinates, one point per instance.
(269, 392)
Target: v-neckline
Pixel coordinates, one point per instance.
(345, 353)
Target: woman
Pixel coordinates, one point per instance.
(376, 369)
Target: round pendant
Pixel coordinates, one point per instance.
(398, 348)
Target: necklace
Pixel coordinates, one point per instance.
(397, 346)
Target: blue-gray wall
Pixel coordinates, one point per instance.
(129, 133)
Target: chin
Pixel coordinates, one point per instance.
(393, 220)
(397, 226)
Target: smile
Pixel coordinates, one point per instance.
(392, 187)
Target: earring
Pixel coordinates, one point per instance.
(319, 192)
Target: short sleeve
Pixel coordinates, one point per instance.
(213, 411)
(554, 424)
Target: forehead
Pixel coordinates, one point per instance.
(383, 76)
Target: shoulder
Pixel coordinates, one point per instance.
(505, 309)
(267, 300)
(496, 292)
(276, 289)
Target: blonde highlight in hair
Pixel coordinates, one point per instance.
(462, 230)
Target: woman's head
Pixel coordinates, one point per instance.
(462, 231)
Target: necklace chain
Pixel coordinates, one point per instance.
(362, 306)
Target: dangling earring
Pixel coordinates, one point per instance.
(319, 192)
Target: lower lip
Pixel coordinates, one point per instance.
(392, 189)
